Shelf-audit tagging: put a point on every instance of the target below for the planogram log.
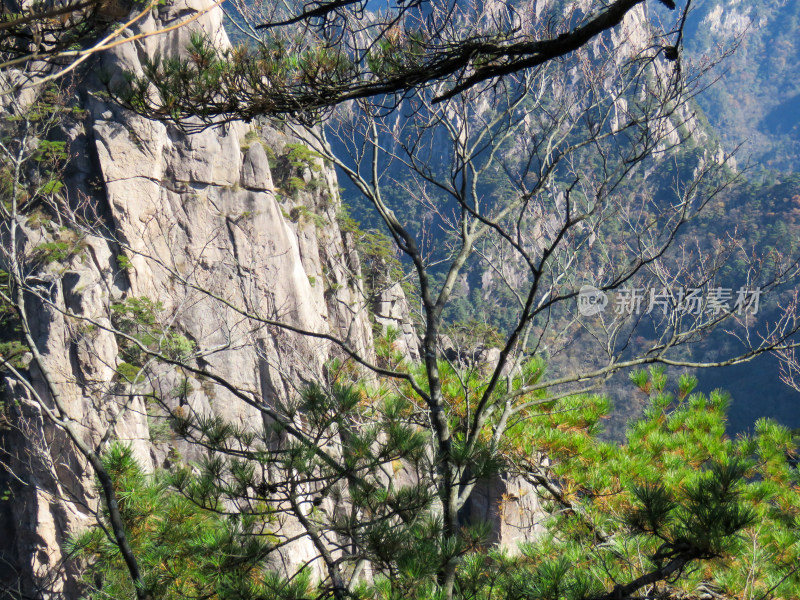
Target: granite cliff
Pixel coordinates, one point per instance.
(212, 236)
(197, 227)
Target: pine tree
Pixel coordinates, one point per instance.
(677, 506)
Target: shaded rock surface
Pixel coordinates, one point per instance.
(199, 226)
(393, 311)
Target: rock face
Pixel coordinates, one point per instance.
(513, 508)
(221, 238)
(198, 223)
(392, 311)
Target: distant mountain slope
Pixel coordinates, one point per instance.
(757, 100)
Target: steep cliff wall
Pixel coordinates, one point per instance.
(202, 224)
(221, 249)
